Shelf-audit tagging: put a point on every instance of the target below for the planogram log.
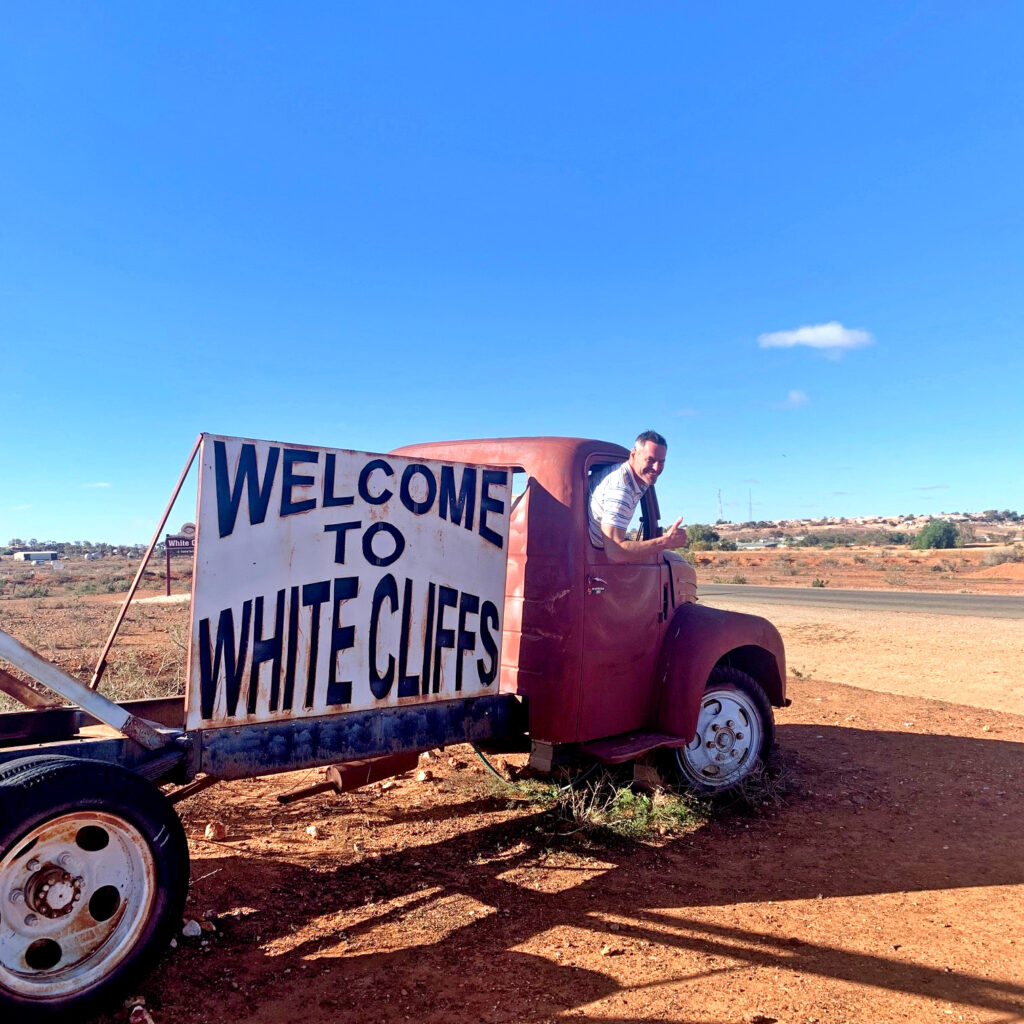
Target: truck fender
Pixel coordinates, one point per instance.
(699, 638)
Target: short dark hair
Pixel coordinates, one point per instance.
(651, 435)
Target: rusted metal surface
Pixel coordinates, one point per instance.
(143, 733)
(343, 778)
(94, 703)
(269, 747)
(101, 663)
(629, 746)
(330, 582)
(110, 749)
(63, 722)
(21, 691)
(698, 639)
(39, 725)
(191, 788)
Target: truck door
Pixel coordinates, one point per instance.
(623, 609)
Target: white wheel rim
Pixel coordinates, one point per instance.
(727, 742)
(75, 895)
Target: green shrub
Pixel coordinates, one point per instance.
(937, 533)
(701, 537)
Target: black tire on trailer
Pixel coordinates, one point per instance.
(735, 731)
(21, 764)
(93, 877)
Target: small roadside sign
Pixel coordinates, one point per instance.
(177, 545)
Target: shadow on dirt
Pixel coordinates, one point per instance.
(869, 812)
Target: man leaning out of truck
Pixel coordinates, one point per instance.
(615, 498)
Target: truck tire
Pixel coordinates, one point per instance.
(11, 768)
(93, 876)
(735, 731)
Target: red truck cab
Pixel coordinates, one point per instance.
(615, 661)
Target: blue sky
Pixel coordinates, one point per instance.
(362, 225)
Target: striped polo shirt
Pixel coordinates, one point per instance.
(613, 501)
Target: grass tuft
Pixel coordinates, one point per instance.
(605, 806)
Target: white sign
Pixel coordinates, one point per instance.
(329, 581)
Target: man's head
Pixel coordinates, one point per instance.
(647, 459)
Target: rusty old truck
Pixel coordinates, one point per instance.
(351, 610)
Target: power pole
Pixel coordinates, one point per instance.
(720, 516)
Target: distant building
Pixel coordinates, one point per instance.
(36, 557)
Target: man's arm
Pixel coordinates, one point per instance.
(621, 550)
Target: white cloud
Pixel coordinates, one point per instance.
(833, 339)
(933, 487)
(795, 399)
(99, 483)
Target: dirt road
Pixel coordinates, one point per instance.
(887, 886)
(965, 660)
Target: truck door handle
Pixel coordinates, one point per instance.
(595, 585)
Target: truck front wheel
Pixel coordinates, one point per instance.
(93, 877)
(735, 731)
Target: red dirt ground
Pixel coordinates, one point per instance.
(885, 884)
(886, 887)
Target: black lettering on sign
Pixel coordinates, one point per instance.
(462, 506)
(408, 686)
(443, 638)
(233, 659)
(469, 604)
(266, 649)
(290, 480)
(292, 655)
(340, 529)
(229, 493)
(364, 482)
(396, 537)
(313, 596)
(489, 504)
(387, 589)
(428, 638)
(342, 638)
(330, 498)
(488, 617)
(405, 491)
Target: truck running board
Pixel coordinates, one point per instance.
(629, 745)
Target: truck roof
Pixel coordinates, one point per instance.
(531, 453)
